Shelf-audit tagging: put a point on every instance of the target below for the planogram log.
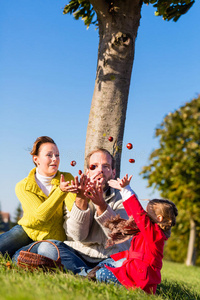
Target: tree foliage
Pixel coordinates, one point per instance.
(81, 9)
(169, 10)
(174, 167)
(176, 247)
(18, 215)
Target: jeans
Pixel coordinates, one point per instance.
(105, 275)
(70, 258)
(13, 239)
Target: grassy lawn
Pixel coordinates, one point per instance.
(178, 282)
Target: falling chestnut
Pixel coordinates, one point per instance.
(92, 167)
(110, 138)
(129, 146)
(73, 163)
(131, 160)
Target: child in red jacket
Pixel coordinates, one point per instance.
(140, 266)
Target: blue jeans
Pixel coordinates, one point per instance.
(105, 275)
(70, 258)
(13, 239)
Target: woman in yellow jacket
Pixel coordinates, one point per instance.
(42, 195)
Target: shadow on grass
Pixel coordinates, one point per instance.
(176, 291)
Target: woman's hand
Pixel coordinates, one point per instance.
(67, 186)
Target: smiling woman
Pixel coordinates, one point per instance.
(42, 196)
(47, 158)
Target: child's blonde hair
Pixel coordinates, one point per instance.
(167, 209)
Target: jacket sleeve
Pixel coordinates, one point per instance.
(34, 205)
(76, 223)
(151, 231)
(113, 209)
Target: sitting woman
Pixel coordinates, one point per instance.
(42, 195)
(140, 266)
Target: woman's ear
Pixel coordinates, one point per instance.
(35, 159)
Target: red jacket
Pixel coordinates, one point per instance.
(144, 258)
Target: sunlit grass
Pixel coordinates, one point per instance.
(178, 282)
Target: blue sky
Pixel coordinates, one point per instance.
(48, 64)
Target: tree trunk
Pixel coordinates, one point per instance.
(118, 26)
(190, 261)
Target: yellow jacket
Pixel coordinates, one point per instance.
(43, 215)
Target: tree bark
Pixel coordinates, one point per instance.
(118, 26)
(190, 261)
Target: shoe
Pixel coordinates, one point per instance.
(92, 274)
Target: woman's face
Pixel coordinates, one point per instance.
(47, 160)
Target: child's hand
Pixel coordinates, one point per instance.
(125, 180)
(115, 184)
(119, 184)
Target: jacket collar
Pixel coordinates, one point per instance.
(31, 184)
(109, 194)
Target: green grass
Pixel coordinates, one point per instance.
(178, 282)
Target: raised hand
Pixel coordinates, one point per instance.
(94, 191)
(68, 186)
(119, 184)
(82, 184)
(81, 200)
